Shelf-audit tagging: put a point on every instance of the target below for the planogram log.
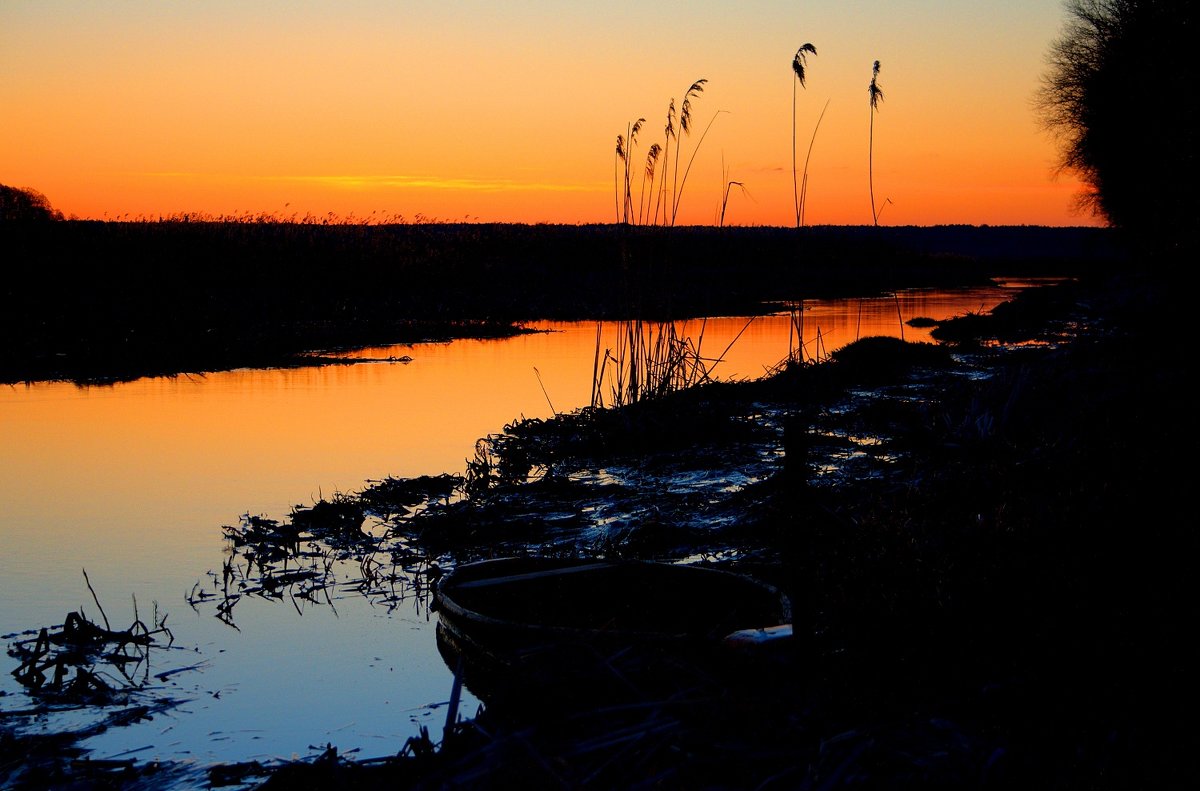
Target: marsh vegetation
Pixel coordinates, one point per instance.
(917, 502)
(179, 295)
(987, 571)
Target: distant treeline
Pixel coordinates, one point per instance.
(93, 299)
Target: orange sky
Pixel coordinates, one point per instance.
(509, 112)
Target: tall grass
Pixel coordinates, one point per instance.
(649, 360)
(799, 67)
(669, 131)
(727, 185)
(659, 165)
(685, 129)
(272, 218)
(626, 155)
(803, 202)
(688, 169)
(648, 176)
(622, 158)
(799, 352)
(876, 94)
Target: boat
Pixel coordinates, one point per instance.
(512, 614)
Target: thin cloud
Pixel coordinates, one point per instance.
(397, 182)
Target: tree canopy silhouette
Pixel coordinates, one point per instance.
(25, 204)
(1118, 94)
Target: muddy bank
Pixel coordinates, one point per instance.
(155, 298)
(985, 543)
(986, 562)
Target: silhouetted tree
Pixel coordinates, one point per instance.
(1117, 93)
(25, 204)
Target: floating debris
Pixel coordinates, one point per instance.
(83, 662)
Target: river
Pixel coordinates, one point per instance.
(133, 482)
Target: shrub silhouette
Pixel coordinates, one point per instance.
(1116, 94)
(24, 205)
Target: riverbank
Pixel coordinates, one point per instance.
(950, 524)
(104, 301)
(988, 568)
(993, 598)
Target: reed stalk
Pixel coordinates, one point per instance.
(688, 169)
(651, 162)
(658, 161)
(633, 129)
(685, 129)
(649, 360)
(598, 366)
(617, 175)
(799, 66)
(725, 198)
(669, 132)
(807, 157)
(796, 352)
(876, 94)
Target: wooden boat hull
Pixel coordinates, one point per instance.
(511, 614)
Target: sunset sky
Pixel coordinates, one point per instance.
(509, 112)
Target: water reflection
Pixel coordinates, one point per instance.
(135, 481)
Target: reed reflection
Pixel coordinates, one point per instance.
(152, 469)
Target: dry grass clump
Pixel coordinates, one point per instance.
(650, 360)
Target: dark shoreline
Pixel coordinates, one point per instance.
(163, 298)
(1003, 606)
(1006, 607)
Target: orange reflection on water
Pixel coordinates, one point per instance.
(738, 348)
(133, 482)
(160, 464)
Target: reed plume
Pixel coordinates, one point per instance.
(651, 162)
(658, 162)
(669, 133)
(876, 94)
(799, 64)
(617, 175)
(685, 129)
(633, 133)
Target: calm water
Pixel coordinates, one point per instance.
(133, 483)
